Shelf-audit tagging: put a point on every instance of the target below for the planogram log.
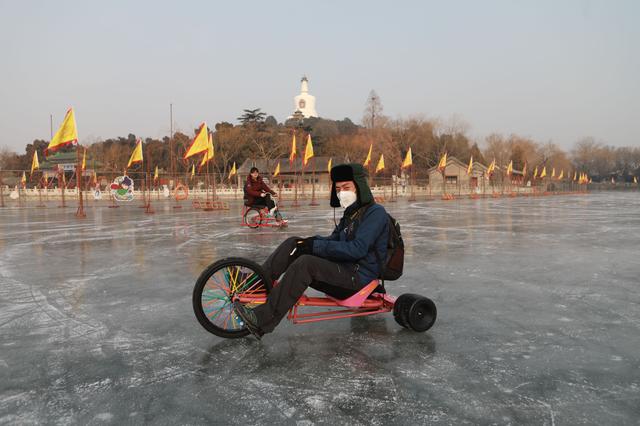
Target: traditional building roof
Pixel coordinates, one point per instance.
(451, 161)
(51, 162)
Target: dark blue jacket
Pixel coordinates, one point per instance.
(345, 245)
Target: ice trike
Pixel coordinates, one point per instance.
(233, 278)
(259, 216)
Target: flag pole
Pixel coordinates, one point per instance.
(280, 203)
(302, 178)
(1, 190)
(84, 168)
(208, 204)
(61, 186)
(143, 180)
(40, 203)
(214, 195)
(113, 199)
(208, 181)
(412, 196)
(295, 178)
(148, 209)
(80, 214)
(313, 184)
(393, 187)
(173, 158)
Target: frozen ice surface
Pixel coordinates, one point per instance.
(539, 320)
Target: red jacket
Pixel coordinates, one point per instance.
(253, 189)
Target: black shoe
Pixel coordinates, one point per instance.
(249, 318)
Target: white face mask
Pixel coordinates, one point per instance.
(347, 198)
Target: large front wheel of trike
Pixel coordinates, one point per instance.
(219, 285)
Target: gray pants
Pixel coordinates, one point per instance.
(337, 279)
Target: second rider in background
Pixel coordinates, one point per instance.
(259, 194)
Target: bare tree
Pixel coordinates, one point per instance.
(372, 110)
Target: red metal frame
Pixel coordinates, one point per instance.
(265, 219)
(370, 303)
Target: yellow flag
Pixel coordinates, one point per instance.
(553, 172)
(200, 142)
(34, 162)
(535, 172)
(524, 169)
(470, 166)
(277, 171)
(136, 155)
(66, 134)
(23, 179)
(408, 160)
(84, 160)
(561, 175)
(367, 161)
(544, 172)
(329, 165)
(193, 170)
(308, 151)
(510, 168)
(210, 153)
(635, 179)
(233, 170)
(94, 177)
(492, 167)
(575, 175)
(292, 155)
(442, 164)
(155, 174)
(380, 165)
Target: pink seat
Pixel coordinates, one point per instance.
(357, 299)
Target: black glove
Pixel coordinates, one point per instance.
(304, 246)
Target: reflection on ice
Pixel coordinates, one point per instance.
(538, 320)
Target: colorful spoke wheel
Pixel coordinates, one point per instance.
(216, 289)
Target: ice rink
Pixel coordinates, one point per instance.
(538, 320)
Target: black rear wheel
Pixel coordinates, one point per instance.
(401, 308)
(216, 288)
(422, 314)
(415, 312)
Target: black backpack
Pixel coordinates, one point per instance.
(394, 262)
(391, 267)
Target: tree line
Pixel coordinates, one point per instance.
(259, 136)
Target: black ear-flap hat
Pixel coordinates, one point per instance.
(356, 173)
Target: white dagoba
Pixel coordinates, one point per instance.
(304, 102)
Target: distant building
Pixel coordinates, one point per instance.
(455, 174)
(67, 161)
(304, 103)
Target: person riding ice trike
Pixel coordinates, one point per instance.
(338, 265)
(258, 198)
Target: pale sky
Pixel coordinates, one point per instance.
(550, 70)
